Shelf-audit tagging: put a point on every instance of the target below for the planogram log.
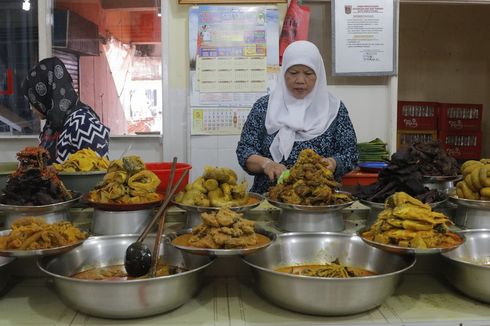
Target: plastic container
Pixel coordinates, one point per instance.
(358, 177)
(162, 170)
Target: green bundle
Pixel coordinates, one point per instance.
(373, 151)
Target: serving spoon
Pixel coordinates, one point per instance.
(138, 258)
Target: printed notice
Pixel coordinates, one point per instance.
(364, 37)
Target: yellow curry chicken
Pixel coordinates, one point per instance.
(407, 222)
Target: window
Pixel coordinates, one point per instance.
(18, 52)
(111, 49)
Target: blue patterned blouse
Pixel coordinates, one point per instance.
(338, 141)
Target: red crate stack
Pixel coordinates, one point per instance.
(460, 117)
(413, 115)
(462, 145)
(460, 129)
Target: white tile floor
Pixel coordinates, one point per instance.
(419, 300)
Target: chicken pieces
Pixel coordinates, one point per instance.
(224, 229)
(309, 183)
(407, 222)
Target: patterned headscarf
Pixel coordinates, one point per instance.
(48, 87)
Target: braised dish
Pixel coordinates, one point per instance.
(309, 183)
(118, 273)
(127, 181)
(33, 236)
(224, 229)
(333, 269)
(408, 223)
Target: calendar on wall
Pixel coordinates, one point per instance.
(218, 121)
(234, 60)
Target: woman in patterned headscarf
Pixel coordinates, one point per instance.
(299, 113)
(70, 124)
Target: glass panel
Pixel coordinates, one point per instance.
(18, 52)
(117, 44)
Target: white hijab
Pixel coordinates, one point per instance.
(299, 119)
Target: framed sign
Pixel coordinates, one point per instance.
(197, 2)
(364, 37)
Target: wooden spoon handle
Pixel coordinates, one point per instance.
(162, 208)
(156, 248)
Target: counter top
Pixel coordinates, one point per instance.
(229, 298)
(419, 300)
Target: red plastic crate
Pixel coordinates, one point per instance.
(413, 115)
(405, 138)
(456, 117)
(462, 145)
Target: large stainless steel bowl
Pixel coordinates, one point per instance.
(326, 296)
(4, 271)
(123, 299)
(468, 266)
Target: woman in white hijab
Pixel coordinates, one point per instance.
(299, 113)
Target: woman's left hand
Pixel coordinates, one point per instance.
(331, 163)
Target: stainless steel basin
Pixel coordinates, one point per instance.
(468, 266)
(123, 299)
(326, 296)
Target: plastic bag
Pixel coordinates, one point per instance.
(295, 26)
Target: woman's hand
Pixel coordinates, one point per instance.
(272, 169)
(331, 163)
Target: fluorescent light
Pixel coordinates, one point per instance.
(26, 5)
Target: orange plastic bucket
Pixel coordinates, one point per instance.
(162, 170)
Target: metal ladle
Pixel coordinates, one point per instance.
(138, 258)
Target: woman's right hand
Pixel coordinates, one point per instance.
(273, 169)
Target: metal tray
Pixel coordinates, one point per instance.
(408, 251)
(125, 207)
(40, 209)
(37, 252)
(220, 252)
(312, 209)
(201, 209)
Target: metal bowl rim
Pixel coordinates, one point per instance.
(72, 279)
(373, 204)
(223, 252)
(408, 250)
(81, 173)
(77, 196)
(7, 261)
(465, 262)
(471, 203)
(310, 208)
(343, 235)
(200, 209)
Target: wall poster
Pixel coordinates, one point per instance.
(234, 60)
(364, 33)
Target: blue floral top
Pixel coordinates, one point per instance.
(338, 141)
